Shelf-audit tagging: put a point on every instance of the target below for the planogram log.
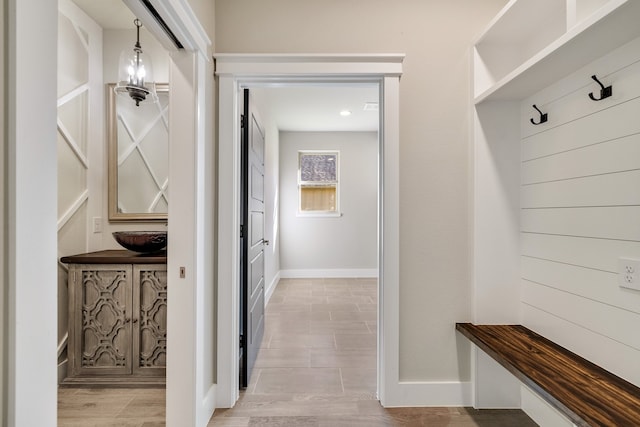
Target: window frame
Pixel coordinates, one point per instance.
(301, 184)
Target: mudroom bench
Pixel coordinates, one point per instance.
(585, 393)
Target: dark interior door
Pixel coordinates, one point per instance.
(252, 241)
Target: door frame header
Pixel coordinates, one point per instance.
(319, 65)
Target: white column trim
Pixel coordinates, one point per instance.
(30, 277)
(389, 262)
(182, 292)
(191, 393)
(228, 298)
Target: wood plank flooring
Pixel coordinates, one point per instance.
(316, 367)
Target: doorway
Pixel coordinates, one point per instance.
(319, 224)
(236, 71)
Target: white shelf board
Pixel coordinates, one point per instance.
(610, 27)
(520, 19)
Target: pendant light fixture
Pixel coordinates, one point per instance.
(135, 74)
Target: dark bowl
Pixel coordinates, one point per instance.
(141, 241)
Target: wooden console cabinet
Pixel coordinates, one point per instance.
(117, 318)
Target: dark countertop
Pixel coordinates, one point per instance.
(116, 256)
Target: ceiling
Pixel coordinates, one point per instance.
(318, 107)
(109, 14)
(292, 107)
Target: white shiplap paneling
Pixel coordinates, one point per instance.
(612, 222)
(580, 200)
(582, 251)
(612, 355)
(618, 120)
(568, 99)
(622, 154)
(596, 285)
(615, 189)
(600, 318)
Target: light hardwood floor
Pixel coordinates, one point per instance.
(316, 367)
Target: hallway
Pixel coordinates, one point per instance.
(316, 367)
(319, 351)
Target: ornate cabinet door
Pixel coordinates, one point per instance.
(150, 320)
(100, 319)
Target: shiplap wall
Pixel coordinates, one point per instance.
(580, 200)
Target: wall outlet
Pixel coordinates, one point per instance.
(629, 273)
(97, 224)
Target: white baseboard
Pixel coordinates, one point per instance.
(209, 404)
(272, 287)
(330, 273)
(428, 394)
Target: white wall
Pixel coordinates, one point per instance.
(80, 146)
(31, 216)
(580, 201)
(271, 192)
(272, 208)
(345, 246)
(3, 239)
(434, 126)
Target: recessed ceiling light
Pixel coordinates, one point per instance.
(345, 113)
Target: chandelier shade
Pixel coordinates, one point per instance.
(135, 73)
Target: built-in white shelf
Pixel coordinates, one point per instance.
(528, 50)
(534, 43)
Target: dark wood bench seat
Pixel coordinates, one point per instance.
(584, 392)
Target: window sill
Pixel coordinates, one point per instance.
(319, 214)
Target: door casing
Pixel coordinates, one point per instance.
(236, 71)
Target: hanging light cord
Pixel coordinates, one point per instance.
(138, 50)
(136, 77)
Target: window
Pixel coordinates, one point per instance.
(318, 183)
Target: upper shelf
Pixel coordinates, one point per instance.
(526, 49)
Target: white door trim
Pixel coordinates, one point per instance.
(234, 70)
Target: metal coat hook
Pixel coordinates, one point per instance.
(543, 116)
(605, 92)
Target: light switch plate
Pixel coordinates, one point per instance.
(97, 224)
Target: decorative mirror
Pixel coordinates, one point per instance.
(138, 139)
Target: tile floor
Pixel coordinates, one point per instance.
(316, 367)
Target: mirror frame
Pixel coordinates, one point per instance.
(112, 140)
